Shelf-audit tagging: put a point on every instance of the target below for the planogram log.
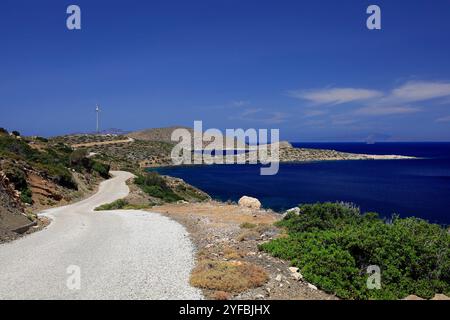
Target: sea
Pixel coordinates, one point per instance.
(418, 187)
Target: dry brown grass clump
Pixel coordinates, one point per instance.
(230, 253)
(228, 276)
(221, 295)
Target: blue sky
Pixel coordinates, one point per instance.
(310, 68)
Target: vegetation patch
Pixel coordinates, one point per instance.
(121, 205)
(248, 225)
(227, 276)
(155, 186)
(116, 205)
(333, 244)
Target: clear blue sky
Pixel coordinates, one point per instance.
(310, 68)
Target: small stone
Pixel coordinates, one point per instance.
(311, 286)
(297, 276)
(279, 278)
(259, 297)
(293, 269)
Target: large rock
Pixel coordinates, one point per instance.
(249, 202)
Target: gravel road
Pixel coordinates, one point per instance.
(123, 254)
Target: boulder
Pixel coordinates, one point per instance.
(297, 276)
(293, 269)
(312, 287)
(295, 210)
(249, 202)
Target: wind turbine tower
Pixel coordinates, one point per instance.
(97, 110)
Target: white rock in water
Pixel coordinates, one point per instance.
(249, 202)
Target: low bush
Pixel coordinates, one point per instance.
(333, 244)
(101, 168)
(248, 225)
(116, 205)
(227, 276)
(155, 185)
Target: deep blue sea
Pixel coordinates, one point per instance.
(418, 188)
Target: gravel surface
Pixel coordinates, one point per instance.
(123, 254)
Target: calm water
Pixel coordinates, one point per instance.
(408, 187)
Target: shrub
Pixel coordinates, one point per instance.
(413, 255)
(228, 276)
(155, 185)
(101, 168)
(3, 131)
(42, 139)
(16, 133)
(26, 196)
(116, 205)
(247, 225)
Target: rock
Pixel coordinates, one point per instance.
(293, 269)
(413, 297)
(311, 286)
(279, 278)
(249, 202)
(295, 210)
(259, 297)
(297, 276)
(440, 297)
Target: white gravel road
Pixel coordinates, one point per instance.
(123, 254)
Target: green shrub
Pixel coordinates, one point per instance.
(413, 255)
(155, 185)
(26, 196)
(16, 133)
(101, 168)
(42, 139)
(116, 205)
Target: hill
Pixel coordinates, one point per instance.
(157, 134)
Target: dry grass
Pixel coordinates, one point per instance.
(247, 225)
(248, 235)
(228, 276)
(230, 253)
(221, 295)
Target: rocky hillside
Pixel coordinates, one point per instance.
(12, 215)
(37, 174)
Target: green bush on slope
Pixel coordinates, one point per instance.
(154, 185)
(333, 244)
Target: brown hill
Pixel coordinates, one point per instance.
(157, 134)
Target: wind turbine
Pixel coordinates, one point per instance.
(97, 110)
